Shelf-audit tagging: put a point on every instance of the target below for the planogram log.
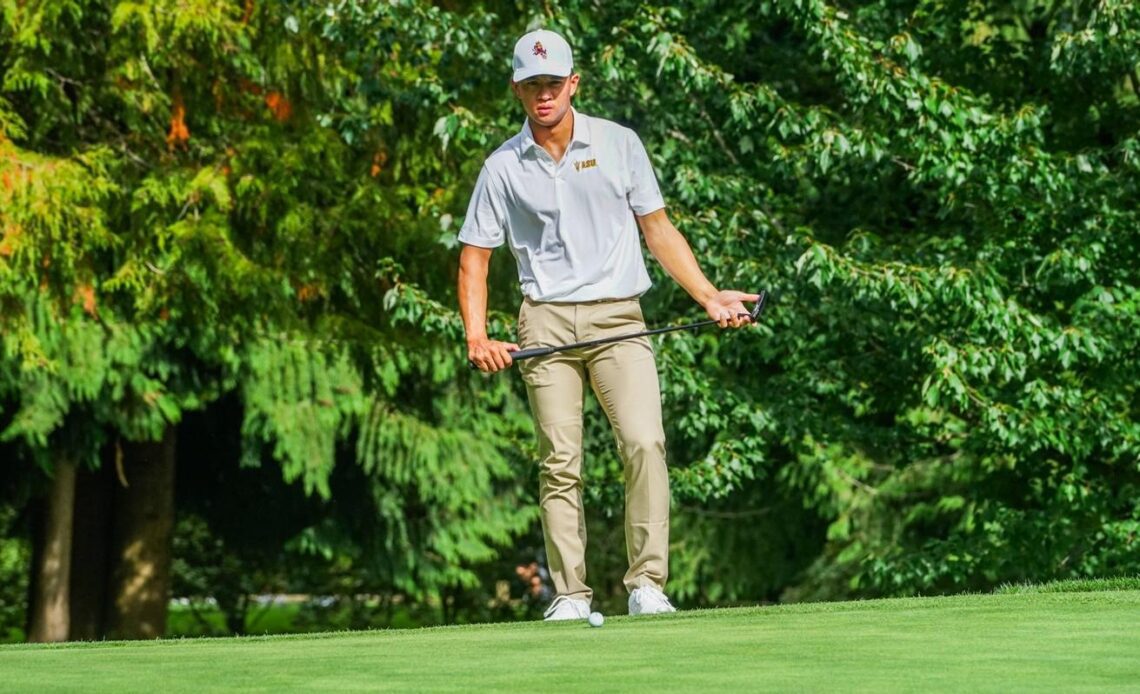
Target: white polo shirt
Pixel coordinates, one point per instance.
(570, 224)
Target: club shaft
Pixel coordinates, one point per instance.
(542, 351)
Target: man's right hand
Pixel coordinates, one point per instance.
(490, 355)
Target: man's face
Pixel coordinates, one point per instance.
(546, 98)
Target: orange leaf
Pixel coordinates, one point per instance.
(179, 133)
(87, 294)
(8, 244)
(308, 292)
(378, 161)
(279, 105)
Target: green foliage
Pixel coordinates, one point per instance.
(14, 558)
(299, 401)
(194, 207)
(944, 207)
(206, 569)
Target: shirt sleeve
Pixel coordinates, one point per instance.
(644, 195)
(484, 223)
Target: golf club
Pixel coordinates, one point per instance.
(754, 315)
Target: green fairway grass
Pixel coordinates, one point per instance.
(1065, 641)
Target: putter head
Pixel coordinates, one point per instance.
(759, 307)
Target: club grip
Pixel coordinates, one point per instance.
(532, 352)
(524, 354)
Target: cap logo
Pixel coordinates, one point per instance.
(539, 50)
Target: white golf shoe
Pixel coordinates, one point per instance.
(565, 607)
(649, 600)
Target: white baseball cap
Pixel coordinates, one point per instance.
(542, 52)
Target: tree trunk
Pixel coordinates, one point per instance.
(141, 540)
(49, 618)
(89, 551)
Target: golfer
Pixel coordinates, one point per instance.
(568, 194)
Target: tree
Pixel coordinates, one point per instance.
(947, 374)
(166, 242)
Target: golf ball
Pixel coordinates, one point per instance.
(596, 619)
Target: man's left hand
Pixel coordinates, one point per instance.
(727, 308)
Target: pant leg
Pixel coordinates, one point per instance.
(624, 378)
(555, 386)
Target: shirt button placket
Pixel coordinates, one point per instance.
(556, 174)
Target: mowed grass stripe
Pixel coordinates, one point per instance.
(1068, 641)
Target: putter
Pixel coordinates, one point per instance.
(754, 315)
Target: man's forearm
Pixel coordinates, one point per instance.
(473, 295)
(489, 355)
(672, 250)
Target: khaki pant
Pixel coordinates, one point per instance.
(624, 379)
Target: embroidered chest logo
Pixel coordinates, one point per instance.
(539, 50)
(585, 164)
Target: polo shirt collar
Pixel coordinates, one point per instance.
(581, 135)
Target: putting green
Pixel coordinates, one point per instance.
(1029, 641)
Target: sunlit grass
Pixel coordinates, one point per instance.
(1021, 641)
